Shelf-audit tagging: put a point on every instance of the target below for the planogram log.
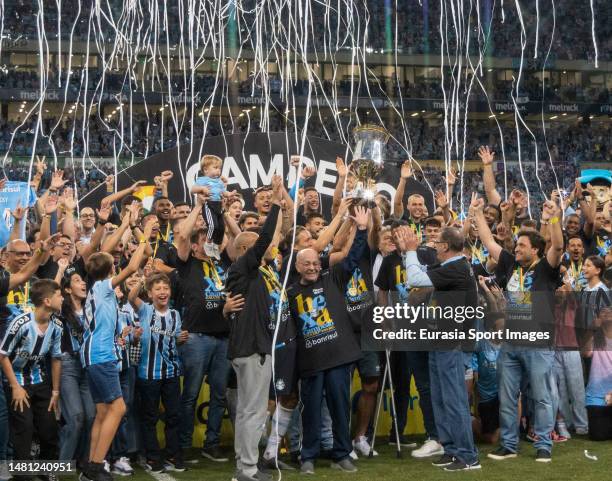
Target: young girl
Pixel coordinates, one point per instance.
(76, 405)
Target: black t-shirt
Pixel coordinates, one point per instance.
(455, 287)
(324, 331)
(598, 244)
(202, 290)
(359, 292)
(48, 270)
(250, 328)
(530, 294)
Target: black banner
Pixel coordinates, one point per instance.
(249, 161)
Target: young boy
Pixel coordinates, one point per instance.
(212, 184)
(33, 402)
(159, 370)
(100, 353)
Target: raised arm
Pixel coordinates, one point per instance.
(488, 177)
(398, 200)
(183, 243)
(96, 238)
(484, 233)
(342, 171)
(134, 295)
(139, 255)
(407, 242)
(117, 196)
(361, 218)
(28, 270)
(111, 242)
(328, 234)
(68, 203)
(18, 214)
(552, 214)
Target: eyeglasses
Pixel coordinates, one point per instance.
(21, 253)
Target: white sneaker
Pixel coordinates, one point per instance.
(107, 466)
(362, 447)
(353, 455)
(122, 467)
(431, 447)
(4, 471)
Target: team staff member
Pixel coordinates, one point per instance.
(454, 285)
(205, 351)
(327, 347)
(250, 340)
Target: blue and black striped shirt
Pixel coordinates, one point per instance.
(27, 347)
(160, 359)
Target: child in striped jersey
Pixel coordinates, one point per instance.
(28, 340)
(100, 351)
(159, 370)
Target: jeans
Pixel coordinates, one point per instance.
(569, 383)
(120, 445)
(201, 356)
(450, 403)
(536, 366)
(337, 385)
(4, 424)
(294, 432)
(169, 391)
(404, 365)
(77, 408)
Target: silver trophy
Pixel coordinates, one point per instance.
(368, 159)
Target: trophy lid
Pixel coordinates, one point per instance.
(370, 141)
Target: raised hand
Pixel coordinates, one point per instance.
(137, 185)
(308, 172)
(345, 204)
(41, 165)
(485, 154)
(441, 200)
(19, 212)
(406, 170)
(451, 176)
(57, 180)
(49, 242)
(3, 182)
(104, 212)
(51, 204)
(341, 167)
(69, 200)
(166, 175)
(294, 160)
(277, 188)
(361, 217)
(476, 204)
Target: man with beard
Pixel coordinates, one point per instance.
(162, 207)
(327, 346)
(311, 205)
(415, 204)
(88, 222)
(315, 223)
(262, 202)
(572, 265)
(250, 341)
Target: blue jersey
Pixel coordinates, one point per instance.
(27, 347)
(101, 311)
(485, 363)
(214, 184)
(159, 358)
(125, 319)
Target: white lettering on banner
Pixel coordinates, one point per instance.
(257, 170)
(323, 176)
(35, 95)
(563, 107)
(236, 177)
(258, 175)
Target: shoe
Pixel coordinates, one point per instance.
(307, 467)
(353, 455)
(258, 476)
(444, 460)
(175, 464)
(345, 466)
(532, 436)
(582, 431)
(362, 448)
(457, 465)
(557, 438)
(563, 431)
(155, 466)
(122, 467)
(543, 456)
(276, 464)
(501, 453)
(215, 454)
(403, 440)
(93, 472)
(431, 447)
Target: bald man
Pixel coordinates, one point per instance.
(251, 333)
(327, 347)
